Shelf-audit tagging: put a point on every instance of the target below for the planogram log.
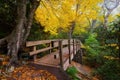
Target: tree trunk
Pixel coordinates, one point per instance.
(14, 40)
(106, 19)
(72, 26)
(19, 35)
(22, 29)
(92, 26)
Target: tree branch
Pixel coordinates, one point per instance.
(30, 19)
(3, 41)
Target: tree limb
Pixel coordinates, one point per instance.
(30, 19)
(3, 41)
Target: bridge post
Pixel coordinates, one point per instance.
(69, 48)
(60, 54)
(73, 47)
(76, 45)
(35, 56)
(51, 45)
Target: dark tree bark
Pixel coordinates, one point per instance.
(119, 42)
(30, 19)
(3, 41)
(15, 37)
(22, 29)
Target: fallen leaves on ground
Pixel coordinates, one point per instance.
(30, 73)
(4, 60)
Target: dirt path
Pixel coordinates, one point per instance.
(84, 71)
(61, 75)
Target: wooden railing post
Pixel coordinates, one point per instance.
(79, 45)
(69, 48)
(76, 45)
(35, 56)
(60, 54)
(73, 47)
(51, 45)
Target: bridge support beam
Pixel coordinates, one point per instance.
(35, 56)
(69, 48)
(60, 54)
(73, 47)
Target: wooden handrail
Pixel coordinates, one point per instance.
(40, 50)
(58, 44)
(34, 43)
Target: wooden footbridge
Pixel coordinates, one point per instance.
(61, 51)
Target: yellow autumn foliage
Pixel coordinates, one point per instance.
(110, 58)
(55, 14)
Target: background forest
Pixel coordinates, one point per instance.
(94, 22)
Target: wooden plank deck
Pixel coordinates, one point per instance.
(49, 59)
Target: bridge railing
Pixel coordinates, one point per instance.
(58, 45)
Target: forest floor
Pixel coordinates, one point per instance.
(84, 72)
(33, 71)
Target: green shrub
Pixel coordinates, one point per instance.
(94, 51)
(72, 71)
(92, 45)
(109, 71)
